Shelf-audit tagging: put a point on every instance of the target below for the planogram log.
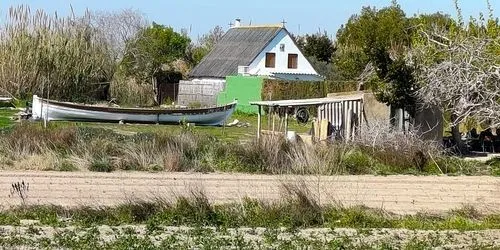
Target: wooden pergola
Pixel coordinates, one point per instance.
(326, 106)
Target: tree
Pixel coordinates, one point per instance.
(118, 28)
(382, 37)
(152, 49)
(459, 70)
(319, 46)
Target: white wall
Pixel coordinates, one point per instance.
(258, 66)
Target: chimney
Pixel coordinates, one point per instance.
(237, 23)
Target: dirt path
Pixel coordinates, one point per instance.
(400, 194)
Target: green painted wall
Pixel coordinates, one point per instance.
(243, 88)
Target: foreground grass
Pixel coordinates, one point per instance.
(192, 222)
(296, 211)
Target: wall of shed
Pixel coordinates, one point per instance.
(373, 110)
(200, 91)
(243, 88)
(428, 121)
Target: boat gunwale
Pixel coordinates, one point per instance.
(140, 110)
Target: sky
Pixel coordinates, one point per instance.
(301, 16)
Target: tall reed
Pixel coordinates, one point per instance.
(60, 57)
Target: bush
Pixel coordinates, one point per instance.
(101, 164)
(401, 152)
(282, 90)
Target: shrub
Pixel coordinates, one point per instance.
(67, 166)
(357, 162)
(284, 90)
(101, 164)
(400, 151)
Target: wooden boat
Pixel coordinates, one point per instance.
(66, 111)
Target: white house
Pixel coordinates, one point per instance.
(265, 50)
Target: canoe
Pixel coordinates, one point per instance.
(67, 111)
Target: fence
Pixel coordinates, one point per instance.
(203, 92)
(344, 115)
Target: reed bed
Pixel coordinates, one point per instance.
(50, 55)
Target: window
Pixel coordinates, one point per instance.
(292, 61)
(282, 47)
(270, 60)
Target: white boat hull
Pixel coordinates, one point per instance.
(61, 111)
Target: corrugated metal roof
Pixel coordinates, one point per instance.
(238, 47)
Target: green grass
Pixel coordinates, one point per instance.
(202, 225)
(292, 213)
(222, 132)
(225, 133)
(5, 117)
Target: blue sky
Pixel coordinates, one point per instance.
(301, 16)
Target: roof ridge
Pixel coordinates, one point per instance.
(259, 26)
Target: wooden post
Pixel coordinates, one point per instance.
(274, 120)
(286, 121)
(259, 122)
(269, 115)
(348, 124)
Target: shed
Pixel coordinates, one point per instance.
(338, 111)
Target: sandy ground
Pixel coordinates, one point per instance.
(399, 194)
(261, 238)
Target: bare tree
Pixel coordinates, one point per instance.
(118, 28)
(462, 75)
(210, 39)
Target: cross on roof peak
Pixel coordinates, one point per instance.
(283, 23)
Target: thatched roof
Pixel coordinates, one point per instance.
(238, 47)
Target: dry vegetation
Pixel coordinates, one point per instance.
(34, 44)
(69, 148)
(65, 57)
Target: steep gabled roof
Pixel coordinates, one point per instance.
(238, 47)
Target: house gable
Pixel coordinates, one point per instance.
(238, 47)
(283, 45)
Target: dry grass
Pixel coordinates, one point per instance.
(129, 92)
(37, 162)
(381, 141)
(95, 149)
